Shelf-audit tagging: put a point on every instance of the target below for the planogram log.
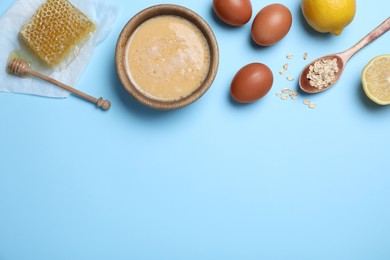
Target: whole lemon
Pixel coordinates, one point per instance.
(329, 15)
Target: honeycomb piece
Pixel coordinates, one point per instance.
(55, 29)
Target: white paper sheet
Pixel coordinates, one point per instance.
(12, 21)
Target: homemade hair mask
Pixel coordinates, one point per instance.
(167, 58)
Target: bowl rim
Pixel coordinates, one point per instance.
(134, 23)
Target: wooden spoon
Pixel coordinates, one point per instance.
(20, 68)
(342, 58)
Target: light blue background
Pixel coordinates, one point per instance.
(215, 180)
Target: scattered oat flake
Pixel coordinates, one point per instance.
(293, 94)
(306, 102)
(289, 78)
(285, 90)
(290, 56)
(281, 72)
(312, 105)
(284, 97)
(285, 66)
(305, 56)
(279, 94)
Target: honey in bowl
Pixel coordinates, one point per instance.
(167, 58)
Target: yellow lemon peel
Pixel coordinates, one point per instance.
(329, 15)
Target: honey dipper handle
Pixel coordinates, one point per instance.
(100, 102)
(372, 36)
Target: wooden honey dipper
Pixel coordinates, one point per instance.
(20, 68)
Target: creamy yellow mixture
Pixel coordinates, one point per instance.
(167, 58)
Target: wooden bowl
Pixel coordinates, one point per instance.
(134, 23)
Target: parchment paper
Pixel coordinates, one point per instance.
(11, 22)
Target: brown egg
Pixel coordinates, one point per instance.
(271, 24)
(233, 12)
(251, 83)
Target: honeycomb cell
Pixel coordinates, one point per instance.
(55, 29)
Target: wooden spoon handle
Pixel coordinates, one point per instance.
(372, 36)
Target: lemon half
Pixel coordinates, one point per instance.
(376, 79)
